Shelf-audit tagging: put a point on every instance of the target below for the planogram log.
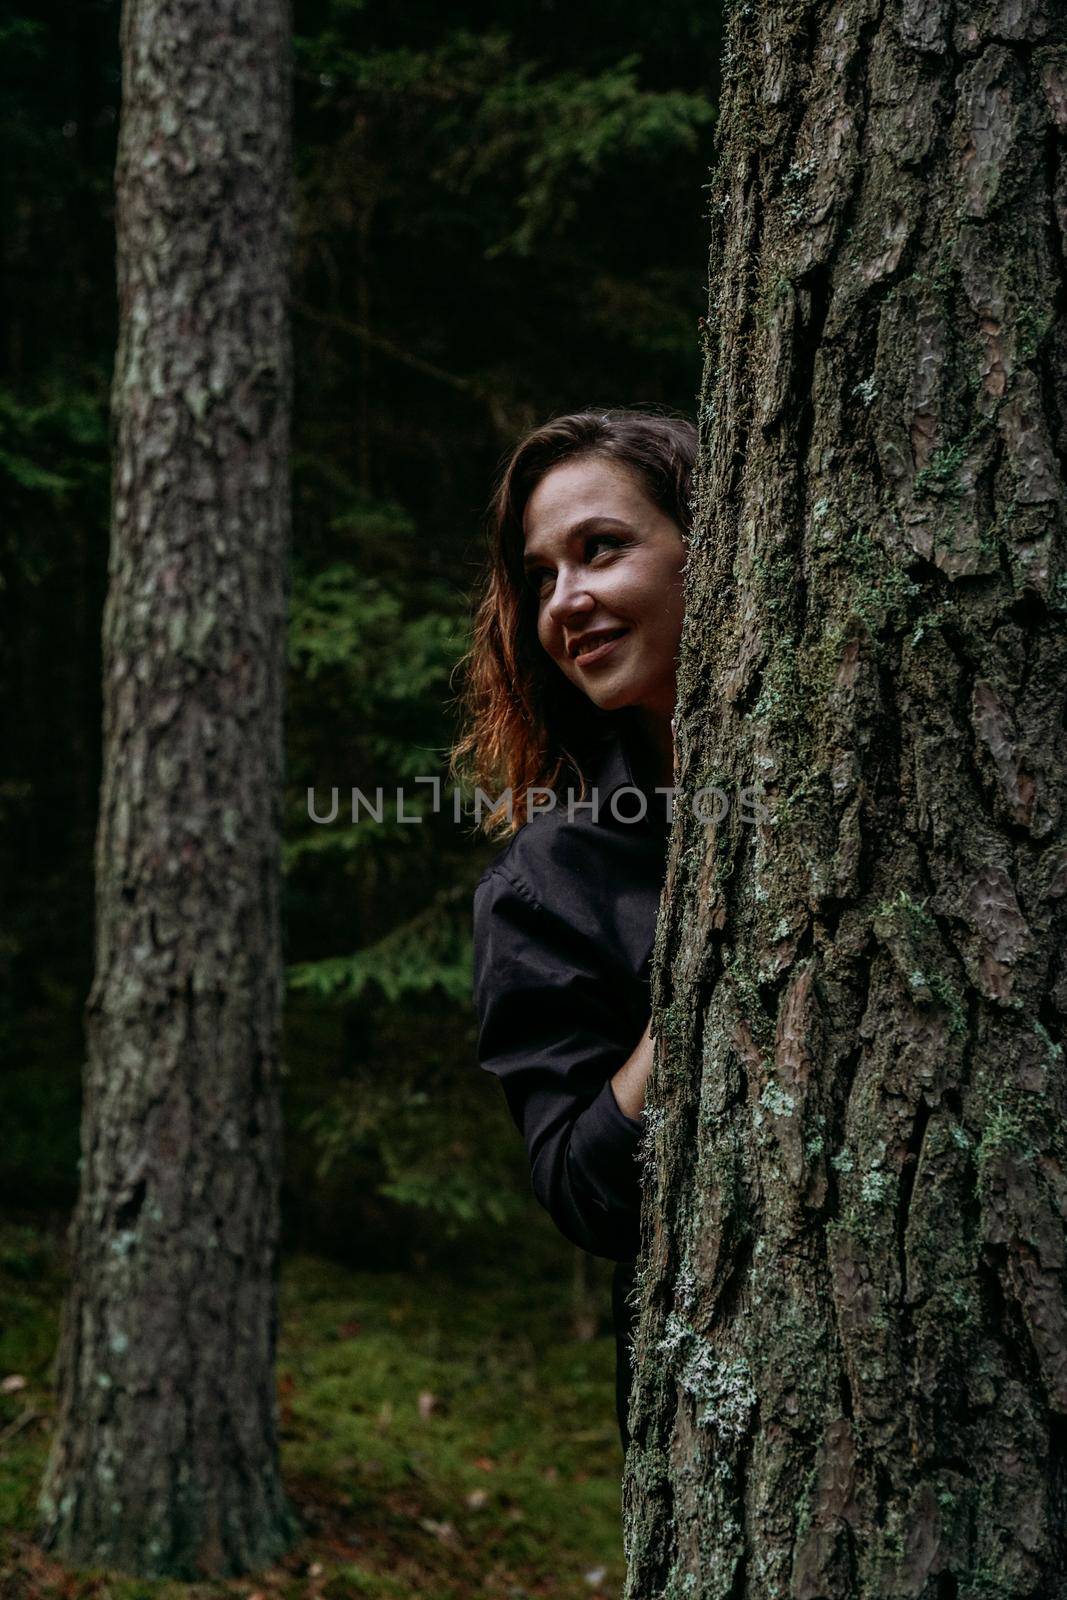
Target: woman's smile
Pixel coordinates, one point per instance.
(604, 565)
(592, 648)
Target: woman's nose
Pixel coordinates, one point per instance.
(570, 596)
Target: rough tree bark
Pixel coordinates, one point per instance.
(165, 1452)
(852, 1350)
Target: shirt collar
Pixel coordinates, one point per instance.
(614, 770)
(617, 768)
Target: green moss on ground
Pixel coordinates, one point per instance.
(439, 1439)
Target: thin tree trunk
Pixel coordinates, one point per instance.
(165, 1452)
(852, 1353)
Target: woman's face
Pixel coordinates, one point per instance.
(605, 564)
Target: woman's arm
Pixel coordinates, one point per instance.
(630, 1081)
(553, 1029)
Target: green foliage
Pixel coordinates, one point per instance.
(563, 132)
(56, 447)
(53, 497)
(52, 454)
(371, 657)
(354, 638)
(371, 661)
(426, 1162)
(431, 950)
(488, 113)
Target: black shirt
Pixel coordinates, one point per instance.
(564, 922)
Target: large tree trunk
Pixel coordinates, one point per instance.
(852, 1353)
(165, 1455)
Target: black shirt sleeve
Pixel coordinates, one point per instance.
(554, 1027)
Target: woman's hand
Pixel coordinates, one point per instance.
(631, 1080)
(628, 1084)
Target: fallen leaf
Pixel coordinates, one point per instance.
(485, 1464)
(12, 1384)
(440, 1530)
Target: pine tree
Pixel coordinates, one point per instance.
(852, 1351)
(165, 1452)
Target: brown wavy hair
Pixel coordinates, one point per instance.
(526, 725)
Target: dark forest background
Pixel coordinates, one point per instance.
(500, 215)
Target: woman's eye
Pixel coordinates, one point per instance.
(538, 578)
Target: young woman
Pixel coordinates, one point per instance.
(570, 695)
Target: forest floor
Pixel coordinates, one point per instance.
(440, 1440)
